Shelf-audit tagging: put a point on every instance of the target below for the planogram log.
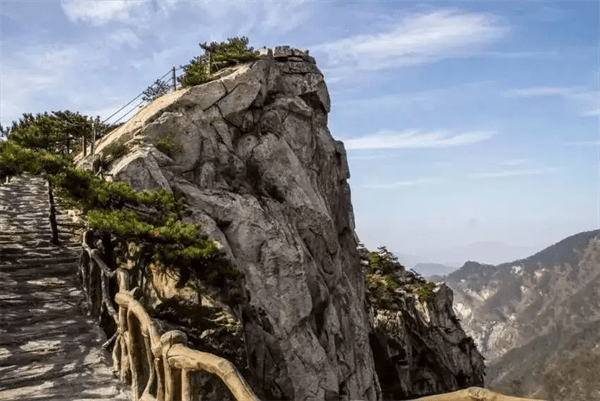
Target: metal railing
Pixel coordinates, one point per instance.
(173, 85)
(172, 71)
(158, 367)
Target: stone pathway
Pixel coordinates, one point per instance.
(49, 348)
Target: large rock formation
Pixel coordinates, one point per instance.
(252, 154)
(417, 341)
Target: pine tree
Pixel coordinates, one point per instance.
(217, 55)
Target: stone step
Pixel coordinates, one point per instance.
(37, 252)
(22, 259)
(28, 262)
(40, 270)
(18, 236)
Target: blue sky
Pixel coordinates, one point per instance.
(465, 122)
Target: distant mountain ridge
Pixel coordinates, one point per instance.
(528, 318)
(491, 252)
(431, 269)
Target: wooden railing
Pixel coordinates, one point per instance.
(52, 215)
(473, 394)
(158, 367)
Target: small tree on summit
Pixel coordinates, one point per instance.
(156, 90)
(216, 56)
(235, 50)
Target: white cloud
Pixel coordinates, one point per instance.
(537, 91)
(585, 98)
(514, 173)
(416, 39)
(282, 17)
(431, 99)
(236, 18)
(518, 55)
(397, 184)
(516, 162)
(371, 157)
(167, 6)
(100, 12)
(126, 36)
(591, 113)
(34, 74)
(416, 139)
(584, 143)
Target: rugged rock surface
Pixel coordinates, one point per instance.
(536, 319)
(418, 343)
(252, 153)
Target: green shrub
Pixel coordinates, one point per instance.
(217, 55)
(156, 90)
(166, 145)
(194, 74)
(108, 155)
(118, 221)
(16, 159)
(378, 262)
(145, 218)
(114, 150)
(391, 282)
(235, 49)
(425, 291)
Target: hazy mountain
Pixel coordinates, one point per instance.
(433, 269)
(488, 252)
(443, 262)
(537, 320)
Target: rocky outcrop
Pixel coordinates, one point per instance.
(418, 343)
(252, 154)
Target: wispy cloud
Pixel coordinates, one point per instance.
(60, 72)
(407, 102)
(271, 19)
(369, 157)
(591, 113)
(97, 13)
(416, 39)
(415, 139)
(538, 91)
(516, 162)
(585, 98)
(397, 184)
(520, 55)
(514, 173)
(584, 143)
(125, 36)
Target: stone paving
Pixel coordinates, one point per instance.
(49, 348)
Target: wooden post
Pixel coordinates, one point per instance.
(93, 141)
(84, 145)
(174, 81)
(53, 225)
(209, 64)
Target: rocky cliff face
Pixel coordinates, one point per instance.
(418, 343)
(252, 154)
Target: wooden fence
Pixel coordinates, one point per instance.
(158, 367)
